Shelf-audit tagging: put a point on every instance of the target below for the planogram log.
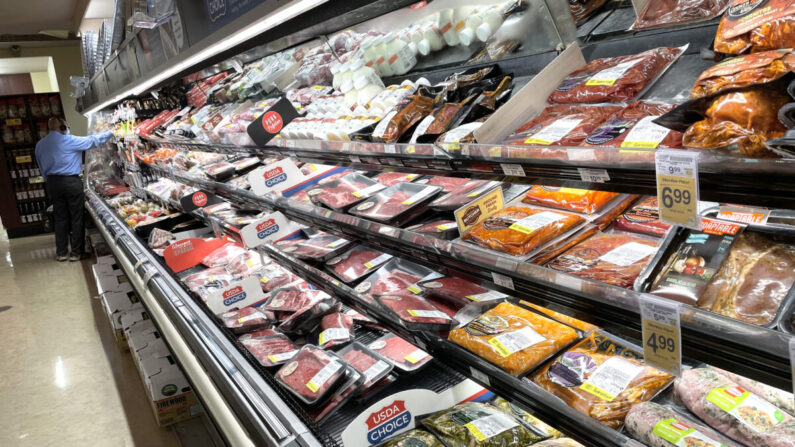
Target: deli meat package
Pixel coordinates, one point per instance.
(515, 339)
(463, 195)
(737, 413)
(223, 255)
(335, 329)
(371, 365)
(478, 424)
(612, 258)
(356, 263)
(311, 374)
(244, 320)
(744, 71)
(392, 178)
(415, 313)
(656, 425)
(403, 355)
(272, 350)
(341, 194)
(518, 230)
(396, 277)
(633, 127)
(397, 204)
(678, 12)
(602, 377)
(751, 27)
(643, 218)
(459, 291)
(615, 79)
(320, 247)
(569, 199)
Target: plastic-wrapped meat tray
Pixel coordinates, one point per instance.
(273, 276)
(245, 163)
(441, 228)
(356, 263)
(304, 320)
(223, 255)
(397, 204)
(244, 320)
(392, 178)
(569, 199)
(415, 313)
(258, 334)
(459, 291)
(336, 329)
(217, 276)
(272, 350)
(245, 264)
(463, 194)
(447, 183)
(318, 248)
(293, 299)
(371, 365)
(220, 171)
(394, 278)
(405, 357)
(312, 374)
(345, 192)
(643, 218)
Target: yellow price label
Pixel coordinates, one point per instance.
(596, 391)
(368, 265)
(311, 385)
(499, 347)
(521, 228)
(414, 289)
(264, 280)
(641, 144)
(537, 141)
(600, 82)
(357, 194)
(24, 159)
(475, 432)
(13, 122)
(677, 187)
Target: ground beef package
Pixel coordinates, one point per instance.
(569, 199)
(312, 374)
(661, 13)
(272, 350)
(415, 313)
(744, 71)
(335, 329)
(518, 230)
(475, 424)
(459, 291)
(345, 192)
(318, 248)
(515, 339)
(611, 258)
(356, 263)
(405, 357)
(602, 377)
(414, 438)
(463, 194)
(643, 218)
(371, 365)
(245, 320)
(615, 79)
(633, 128)
(397, 204)
(441, 228)
(755, 26)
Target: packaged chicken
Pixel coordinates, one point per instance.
(678, 12)
(602, 377)
(397, 204)
(345, 192)
(744, 71)
(780, 398)
(570, 199)
(643, 218)
(356, 263)
(515, 339)
(753, 27)
(464, 194)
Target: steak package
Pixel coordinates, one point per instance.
(245, 264)
(615, 79)
(340, 194)
(247, 319)
(473, 424)
(245, 163)
(643, 218)
(321, 247)
(396, 277)
(459, 291)
(405, 357)
(356, 263)
(219, 171)
(569, 199)
(312, 374)
(633, 127)
(272, 350)
(393, 178)
(273, 276)
(732, 410)
(293, 299)
(223, 255)
(371, 365)
(335, 329)
(414, 437)
(520, 229)
(215, 277)
(303, 321)
(159, 238)
(447, 183)
(752, 27)
(415, 313)
(515, 339)
(602, 377)
(397, 204)
(744, 71)
(463, 194)
(662, 13)
(440, 228)
(656, 425)
(351, 387)
(612, 258)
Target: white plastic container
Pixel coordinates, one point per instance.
(382, 52)
(492, 20)
(368, 52)
(432, 40)
(447, 25)
(365, 89)
(473, 21)
(351, 95)
(360, 70)
(401, 59)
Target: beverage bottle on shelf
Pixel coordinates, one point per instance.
(35, 109)
(55, 105)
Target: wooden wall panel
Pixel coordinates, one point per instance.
(16, 84)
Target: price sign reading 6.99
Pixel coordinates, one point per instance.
(677, 187)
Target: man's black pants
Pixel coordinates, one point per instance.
(66, 193)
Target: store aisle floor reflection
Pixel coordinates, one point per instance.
(64, 381)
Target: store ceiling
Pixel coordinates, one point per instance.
(31, 17)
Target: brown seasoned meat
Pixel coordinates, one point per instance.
(676, 12)
(754, 26)
(744, 71)
(632, 127)
(582, 9)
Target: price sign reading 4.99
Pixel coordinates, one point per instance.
(662, 340)
(677, 187)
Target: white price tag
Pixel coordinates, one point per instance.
(662, 340)
(594, 175)
(512, 169)
(502, 280)
(677, 187)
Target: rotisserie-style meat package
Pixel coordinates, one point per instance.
(356, 263)
(632, 127)
(341, 194)
(661, 13)
(615, 79)
(643, 218)
(569, 199)
(752, 27)
(397, 204)
(744, 71)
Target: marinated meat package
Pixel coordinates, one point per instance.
(752, 27)
(396, 277)
(734, 411)
(633, 127)
(413, 438)
(740, 122)
(441, 228)
(319, 248)
(602, 377)
(356, 263)
(247, 319)
(311, 374)
(447, 183)
(777, 397)
(219, 171)
(371, 365)
(271, 350)
(569, 199)
(615, 79)
(754, 280)
(215, 276)
(582, 9)
(245, 264)
(459, 291)
(392, 178)
(571, 321)
(397, 204)
(405, 357)
(463, 194)
(611, 258)
(562, 125)
(519, 230)
(643, 218)
(245, 163)
(656, 425)
(304, 320)
(662, 13)
(293, 299)
(223, 255)
(744, 71)
(515, 339)
(544, 428)
(335, 329)
(415, 313)
(396, 123)
(552, 251)
(474, 424)
(273, 276)
(341, 194)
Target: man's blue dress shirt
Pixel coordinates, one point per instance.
(60, 154)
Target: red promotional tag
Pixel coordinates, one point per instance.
(187, 253)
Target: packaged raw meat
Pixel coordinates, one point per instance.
(352, 386)
(160, 238)
(219, 171)
(615, 79)
(441, 228)
(371, 365)
(356, 262)
(570, 199)
(258, 334)
(272, 350)
(474, 424)
(515, 339)
(643, 218)
(304, 320)
(245, 163)
(413, 438)
(678, 12)
(632, 127)
(744, 71)
(571, 321)
(459, 291)
(528, 418)
(293, 299)
(362, 320)
(415, 313)
(341, 194)
(247, 319)
(552, 251)
(740, 122)
(215, 276)
(559, 126)
(518, 230)
(335, 329)
(735, 412)
(273, 276)
(753, 281)
(392, 178)
(312, 374)
(659, 426)
(752, 27)
(602, 377)
(582, 9)
(775, 396)
(447, 183)
(397, 204)
(404, 356)
(319, 248)
(395, 124)
(223, 255)
(464, 194)
(612, 258)
(396, 277)
(245, 264)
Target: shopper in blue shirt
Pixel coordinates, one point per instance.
(60, 158)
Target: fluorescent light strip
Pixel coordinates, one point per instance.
(260, 26)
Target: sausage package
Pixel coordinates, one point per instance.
(515, 339)
(744, 71)
(405, 357)
(397, 204)
(752, 27)
(569, 199)
(643, 218)
(662, 13)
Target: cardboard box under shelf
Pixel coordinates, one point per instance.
(171, 396)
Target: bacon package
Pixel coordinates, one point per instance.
(752, 27)
(415, 313)
(459, 291)
(223, 255)
(311, 374)
(570, 199)
(612, 258)
(397, 204)
(345, 192)
(336, 329)
(356, 262)
(633, 127)
(319, 248)
(447, 183)
(643, 218)
(293, 299)
(744, 71)
(441, 228)
(272, 350)
(561, 125)
(247, 319)
(371, 365)
(520, 229)
(463, 195)
(513, 338)
(615, 79)
(661, 13)
(405, 357)
(392, 178)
